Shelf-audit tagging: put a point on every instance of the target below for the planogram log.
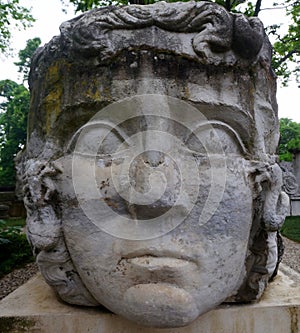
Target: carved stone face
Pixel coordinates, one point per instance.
(156, 208)
(160, 233)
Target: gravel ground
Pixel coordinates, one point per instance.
(16, 278)
(291, 256)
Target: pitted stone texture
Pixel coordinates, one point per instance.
(150, 174)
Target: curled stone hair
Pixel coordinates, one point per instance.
(203, 34)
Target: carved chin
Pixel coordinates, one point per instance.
(159, 305)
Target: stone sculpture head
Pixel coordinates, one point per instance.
(150, 172)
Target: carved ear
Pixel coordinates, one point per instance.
(43, 223)
(265, 246)
(46, 236)
(276, 202)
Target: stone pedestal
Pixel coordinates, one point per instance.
(34, 308)
(295, 206)
(296, 164)
(10, 206)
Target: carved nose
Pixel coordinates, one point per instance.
(153, 158)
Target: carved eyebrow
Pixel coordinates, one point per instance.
(92, 125)
(228, 128)
(124, 137)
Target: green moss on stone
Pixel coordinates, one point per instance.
(16, 324)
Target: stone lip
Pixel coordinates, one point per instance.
(153, 263)
(147, 269)
(156, 255)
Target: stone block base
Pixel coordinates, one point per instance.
(34, 308)
(295, 206)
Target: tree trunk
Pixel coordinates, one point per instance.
(228, 5)
(257, 7)
(137, 2)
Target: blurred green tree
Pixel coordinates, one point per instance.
(14, 106)
(25, 56)
(13, 124)
(12, 14)
(289, 138)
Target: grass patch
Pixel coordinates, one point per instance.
(19, 222)
(291, 228)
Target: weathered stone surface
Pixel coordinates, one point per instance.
(34, 307)
(291, 178)
(150, 173)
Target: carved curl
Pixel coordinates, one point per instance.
(45, 234)
(290, 185)
(265, 247)
(276, 202)
(216, 36)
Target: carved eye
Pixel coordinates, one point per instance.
(98, 139)
(215, 138)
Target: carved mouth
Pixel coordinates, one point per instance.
(157, 263)
(147, 268)
(147, 212)
(157, 256)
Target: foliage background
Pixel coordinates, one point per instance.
(14, 107)
(15, 250)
